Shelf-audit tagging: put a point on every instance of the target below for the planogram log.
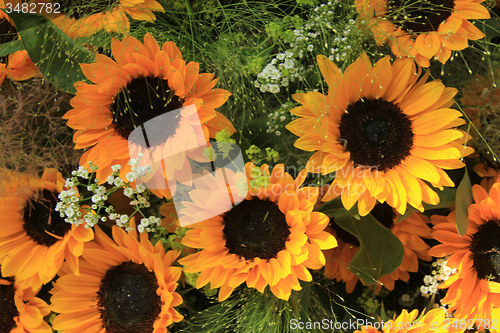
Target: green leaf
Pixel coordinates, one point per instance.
(335, 208)
(446, 199)
(11, 47)
(409, 210)
(463, 201)
(57, 55)
(380, 252)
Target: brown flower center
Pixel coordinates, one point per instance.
(41, 221)
(485, 248)
(8, 32)
(8, 306)
(376, 133)
(127, 299)
(143, 99)
(255, 228)
(419, 15)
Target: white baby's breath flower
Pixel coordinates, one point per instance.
(96, 198)
(128, 192)
(130, 176)
(100, 190)
(116, 167)
(140, 188)
(69, 212)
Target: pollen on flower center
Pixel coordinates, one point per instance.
(78, 9)
(127, 299)
(420, 15)
(8, 306)
(377, 133)
(41, 221)
(141, 100)
(255, 228)
(485, 248)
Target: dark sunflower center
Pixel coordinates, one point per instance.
(419, 15)
(8, 32)
(383, 213)
(376, 133)
(8, 306)
(80, 8)
(143, 99)
(41, 221)
(485, 248)
(342, 234)
(255, 228)
(127, 299)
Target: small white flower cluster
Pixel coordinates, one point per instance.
(340, 44)
(148, 224)
(278, 73)
(439, 275)
(278, 119)
(306, 42)
(70, 204)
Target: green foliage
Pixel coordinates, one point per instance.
(11, 47)
(380, 251)
(57, 56)
(463, 201)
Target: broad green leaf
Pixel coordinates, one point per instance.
(446, 198)
(56, 54)
(463, 201)
(380, 252)
(335, 208)
(11, 47)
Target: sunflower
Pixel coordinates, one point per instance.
(383, 132)
(22, 312)
(423, 29)
(145, 82)
(18, 65)
(474, 290)
(270, 238)
(433, 321)
(410, 232)
(34, 239)
(82, 19)
(127, 286)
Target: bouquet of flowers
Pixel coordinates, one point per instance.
(248, 166)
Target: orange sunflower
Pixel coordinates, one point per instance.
(146, 100)
(474, 290)
(82, 19)
(270, 238)
(410, 232)
(127, 286)
(383, 132)
(423, 29)
(34, 239)
(22, 312)
(433, 321)
(18, 65)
